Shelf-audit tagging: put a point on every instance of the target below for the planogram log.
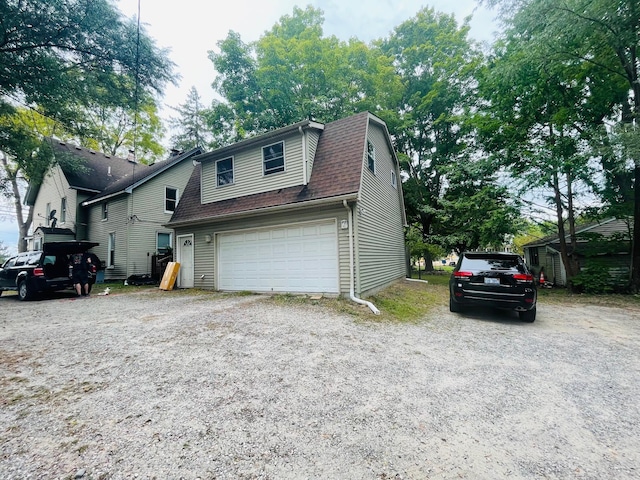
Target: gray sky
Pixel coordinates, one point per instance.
(190, 28)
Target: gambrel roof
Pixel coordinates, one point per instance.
(336, 174)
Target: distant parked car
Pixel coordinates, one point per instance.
(500, 280)
(45, 270)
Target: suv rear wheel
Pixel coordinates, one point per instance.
(24, 292)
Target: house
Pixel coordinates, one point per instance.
(116, 202)
(308, 208)
(614, 250)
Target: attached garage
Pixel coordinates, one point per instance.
(298, 258)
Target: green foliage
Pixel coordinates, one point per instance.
(191, 124)
(293, 72)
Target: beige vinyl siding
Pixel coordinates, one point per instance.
(54, 187)
(313, 136)
(204, 253)
(379, 222)
(100, 229)
(147, 205)
(248, 177)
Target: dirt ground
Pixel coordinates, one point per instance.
(173, 385)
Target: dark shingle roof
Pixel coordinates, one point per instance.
(337, 171)
(96, 170)
(606, 228)
(138, 175)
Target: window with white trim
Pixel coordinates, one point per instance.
(105, 211)
(111, 250)
(170, 199)
(273, 158)
(371, 156)
(163, 242)
(394, 179)
(63, 210)
(224, 171)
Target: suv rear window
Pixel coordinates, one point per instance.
(487, 262)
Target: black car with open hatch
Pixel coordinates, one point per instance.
(493, 279)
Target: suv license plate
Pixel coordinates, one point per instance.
(492, 281)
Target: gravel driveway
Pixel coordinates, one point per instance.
(169, 385)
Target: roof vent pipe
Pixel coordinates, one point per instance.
(352, 295)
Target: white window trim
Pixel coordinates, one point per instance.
(170, 240)
(233, 171)
(284, 161)
(63, 209)
(111, 246)
(371, 156)
(165, 198)
(105, 211)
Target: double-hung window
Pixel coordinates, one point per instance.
(105, 211)
(111, 250)
(63, 210)
(273, 158)
(170, 199)
(371, 156)
(224, 171)
(164, 242)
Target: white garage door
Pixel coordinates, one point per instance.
(295, 258)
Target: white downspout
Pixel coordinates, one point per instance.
(352, 295)
(304, 157)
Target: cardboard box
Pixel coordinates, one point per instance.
(170, 276)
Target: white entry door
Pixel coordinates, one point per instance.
(185, 258)
(300, 258)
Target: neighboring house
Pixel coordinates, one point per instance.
(308, 208)
(545, 252)
(116, 202)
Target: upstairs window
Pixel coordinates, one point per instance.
(105, 211)
(170, 199)
(371, 156)
(224, 171)
(63, 210)
(273, 158)
(394, 180)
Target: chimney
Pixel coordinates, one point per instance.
(132, 156)
(175, 152)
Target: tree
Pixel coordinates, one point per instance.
(601, 35)
(293, 73)
(60, 58)
(435, 61)
(191, 126)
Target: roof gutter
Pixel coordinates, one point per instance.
(352, 295)
(264, 211)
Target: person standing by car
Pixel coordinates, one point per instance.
(81, 267)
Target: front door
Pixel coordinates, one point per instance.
(185, 258)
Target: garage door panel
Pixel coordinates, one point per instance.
(299, 258)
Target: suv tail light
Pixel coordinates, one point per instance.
(38, 272)
(460, 275)
(523, 277)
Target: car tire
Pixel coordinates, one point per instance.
(454, 306)
(528, 316)
(24, 292)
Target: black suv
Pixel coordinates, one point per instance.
(500, 280)
(46, 270)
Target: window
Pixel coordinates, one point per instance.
(224, 171)
(63, 210)
(371, 156)
(533, 256)
(164, 243)
(105, 211)
(111, 250)
(170, 199)
(394, 180)
(273, 158)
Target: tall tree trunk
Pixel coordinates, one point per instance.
(561, 231)
(573, 256)
(23, 224)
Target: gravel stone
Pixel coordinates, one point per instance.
(174, 385)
